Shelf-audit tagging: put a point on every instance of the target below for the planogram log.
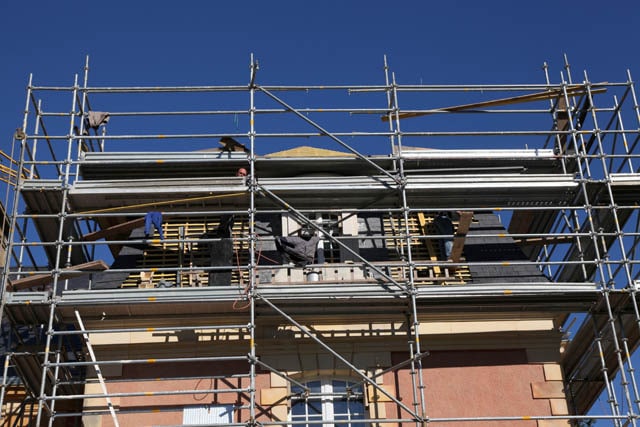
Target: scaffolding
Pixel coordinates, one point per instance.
(546, 168)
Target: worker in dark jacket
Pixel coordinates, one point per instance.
(444, 226)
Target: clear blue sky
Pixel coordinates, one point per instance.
(145, 43)
(303, 42)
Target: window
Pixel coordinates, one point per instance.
(207, 414)
(330, 250)
(331, 400)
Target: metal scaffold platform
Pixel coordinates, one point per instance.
(256, 252)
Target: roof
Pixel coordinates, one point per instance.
(306, 151)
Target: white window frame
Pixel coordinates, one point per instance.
(325, 400)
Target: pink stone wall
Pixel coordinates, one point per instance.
(474, 384)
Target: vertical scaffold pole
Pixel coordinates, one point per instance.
(20, 138)
(14, 214)
(5, 372)
(58, 256)
(54, 387)
(633, 288)
(614, 405)
(631, 369)
(83, 108)
(252, 237)
(34, 149)
(612, 207)
(416, 365)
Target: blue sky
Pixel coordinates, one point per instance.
(329, 42)
(147, 43)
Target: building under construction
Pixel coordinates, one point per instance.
(349, 255)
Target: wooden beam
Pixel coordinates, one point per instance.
(42, 279)
(532, 97)
(114, 230)
(539, 241)
(461, 233)
(428, 243)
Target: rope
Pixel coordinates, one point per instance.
(245, 290)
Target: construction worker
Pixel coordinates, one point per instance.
(154, 219)
(444, 226)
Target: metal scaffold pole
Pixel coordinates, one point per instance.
(611, 280)
(584, 175)
(58, 264)
(252, 238)
(414, 329)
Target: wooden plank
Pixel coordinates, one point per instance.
(43, 279)
(532, 97)
(540, 241)
(461, 233)
(114, 230)
(428, 243)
